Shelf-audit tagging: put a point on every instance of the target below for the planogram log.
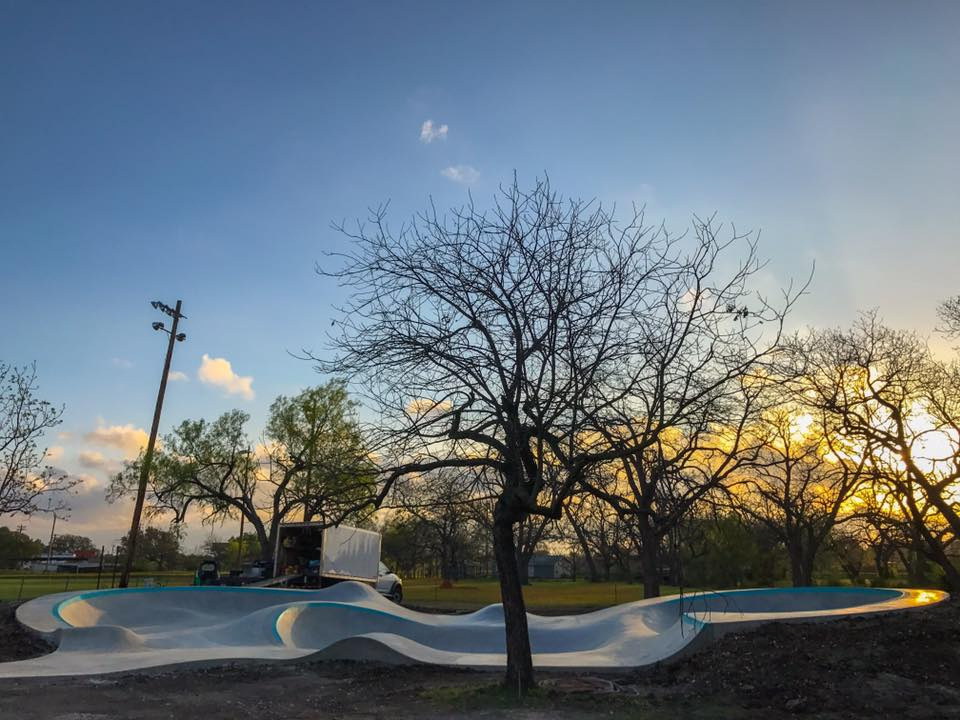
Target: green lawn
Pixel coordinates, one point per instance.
(25, 586)
(540, 595)
(427, 593)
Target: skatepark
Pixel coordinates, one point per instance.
(110, 631)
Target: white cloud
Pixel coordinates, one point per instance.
(121, 363)
(218, 372)
(177, 376)
(54, 453)
(94, 460)
(127, 438)
(464, 174)
(88, 483)
(430, 132)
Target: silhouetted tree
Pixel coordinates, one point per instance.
(896, 405)
(510, 341)
(24, 418)
(796, 486)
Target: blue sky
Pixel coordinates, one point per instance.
(201, 151)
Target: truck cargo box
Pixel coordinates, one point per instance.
(326, 555)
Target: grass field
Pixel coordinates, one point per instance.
(539, 595)
(426, 593)
(24, 586)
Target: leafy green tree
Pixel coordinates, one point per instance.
(67, 543)
(311, 459)
(15, 547)
(315, 445)
(156, 549)
(248, 551)
(724, 551)
(402, 547)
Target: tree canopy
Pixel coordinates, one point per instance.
(539, 340)
(311, 459)
(25, 481)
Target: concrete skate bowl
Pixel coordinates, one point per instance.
(136, 629)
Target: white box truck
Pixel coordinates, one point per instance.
(310, 555)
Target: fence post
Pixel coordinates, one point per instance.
(113, 573)
(100, 566)
(20, 591)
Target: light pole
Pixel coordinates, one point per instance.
(53, 530)
(148, 455)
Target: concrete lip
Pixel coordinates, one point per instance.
(109, 631)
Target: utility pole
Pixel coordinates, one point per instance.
(148, 455)
(53, 529)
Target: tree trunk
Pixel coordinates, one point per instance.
(447, 571)
(801, 566)
(519, 658)
(649, 559)
(523, 570)
(267, 541)
(585, 546)
(796, 573)
(937, 554)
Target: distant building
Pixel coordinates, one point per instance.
(63, 563)
(548, 567)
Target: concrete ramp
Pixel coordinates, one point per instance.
(136, 629)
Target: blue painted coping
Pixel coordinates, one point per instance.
(881, 594)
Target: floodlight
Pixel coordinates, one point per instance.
(164, 308)
(158, 326)
(181, 336)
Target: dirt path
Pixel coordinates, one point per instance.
(905, 665)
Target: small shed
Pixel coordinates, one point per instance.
(548, 567)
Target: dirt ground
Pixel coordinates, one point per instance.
(904, 665)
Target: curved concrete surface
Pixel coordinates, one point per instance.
(121, 630)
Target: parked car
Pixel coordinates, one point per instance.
(389, 585)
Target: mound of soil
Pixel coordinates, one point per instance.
(16, 643)
(902, 664)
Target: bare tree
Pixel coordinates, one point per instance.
(480, 337)
(693, 385)
(24, 418)
(796, 486)
(899, 407)
(875, 524)
(603, 537)
(528, 534)
(440, 502)
(949, 313)
(507, 341)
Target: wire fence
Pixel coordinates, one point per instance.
(25, 586)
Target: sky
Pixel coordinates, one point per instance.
(202, 151)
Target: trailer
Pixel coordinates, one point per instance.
(307, 554)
